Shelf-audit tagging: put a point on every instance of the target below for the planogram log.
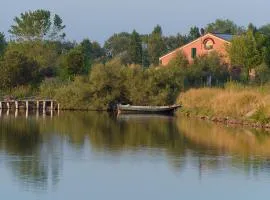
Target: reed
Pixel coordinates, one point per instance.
(234, 100)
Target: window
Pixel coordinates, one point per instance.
(193, 52)
(208, 44)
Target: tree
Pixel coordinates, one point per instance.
(135, 49)
(72, 63)
(87, 51)
(174, 42)
(265, 29)
(37, 25)
(243, 52)
(3, 43)
(224, 26)
(45, 53)
(97, 51)
(194, 33)
(117, 44)
(17, 69)
(156, 45)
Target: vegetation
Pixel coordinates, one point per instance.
(39, 61)
(235, 100)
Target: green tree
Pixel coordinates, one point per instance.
(87, 51)
(265, 29)
(3, 43)
(194, 33)
(72, 63)
(244, 53)
(156, 46)
(135, 48)
(37, 25)
(262, 73)
(45, 53)
(17, 69)
(224, 26)
(174, 42)
(97, 51)
(117, 44)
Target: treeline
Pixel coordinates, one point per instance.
(39, 61)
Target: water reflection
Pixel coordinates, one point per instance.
(34, 148)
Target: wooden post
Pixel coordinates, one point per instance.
(44, 106)
(27, 105)
(1, 105)
(26, 113)
(37, 105)
(51, 105)
(16, 105)
(58, 109)
(8, 105)
(16, 113)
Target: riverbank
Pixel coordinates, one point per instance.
(234, 104)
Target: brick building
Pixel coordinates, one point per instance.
(201, 46)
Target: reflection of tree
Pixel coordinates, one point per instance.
(111, 135)
(35, 147)
(23, 144)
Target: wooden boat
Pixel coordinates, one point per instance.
(147, 109)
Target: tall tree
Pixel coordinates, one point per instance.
(135, 48)
(243, 51)
(37, 25)
(265, 29)
(72, 63)
(117, 44)
(194, 33)
(173, 42)
(87, 51)
(156, 45)
(224, 26)
(3, 43)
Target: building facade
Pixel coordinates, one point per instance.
(201, 46)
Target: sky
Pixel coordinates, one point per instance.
(99, 19)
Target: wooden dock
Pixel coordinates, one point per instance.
(27, 105)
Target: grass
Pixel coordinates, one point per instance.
(234, 101)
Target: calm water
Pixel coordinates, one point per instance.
(98, 156)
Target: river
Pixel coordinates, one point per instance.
(90, 155)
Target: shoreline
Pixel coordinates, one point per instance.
(226, 120)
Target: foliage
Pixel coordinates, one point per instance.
(194, 33)
(156, 45)
(224, 26)
(243, 51)
(180, 60)
(135, 48)
(174, 42)
(3, 44)
(45, 53)
(72, 63)
(16, 69)
(37, 25)
(262, 74)
(117, 44)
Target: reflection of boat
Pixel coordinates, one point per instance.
(147, 109)
(144, 117)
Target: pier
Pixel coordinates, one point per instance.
(26, 105)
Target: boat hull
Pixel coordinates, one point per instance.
(128, 109)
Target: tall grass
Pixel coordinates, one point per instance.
(235, 100)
